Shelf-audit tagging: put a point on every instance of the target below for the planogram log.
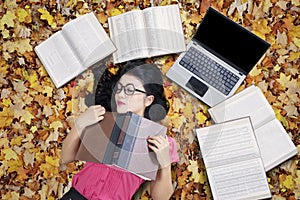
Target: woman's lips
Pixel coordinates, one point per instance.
(120, 103)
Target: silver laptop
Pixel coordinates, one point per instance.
(218, 58)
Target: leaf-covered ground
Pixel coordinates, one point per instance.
(35, 116)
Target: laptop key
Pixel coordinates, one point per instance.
(183, 63)
(200, 75)
(197, 86)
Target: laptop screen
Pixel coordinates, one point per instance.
(229, 41)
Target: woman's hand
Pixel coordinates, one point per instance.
(91, 116)
(161, 147)
(71, 143)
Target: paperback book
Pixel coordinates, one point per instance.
(273, 141)
(81, 43)
(121, 140)
(145, 33)
(233, 162)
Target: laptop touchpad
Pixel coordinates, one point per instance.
(197, 86)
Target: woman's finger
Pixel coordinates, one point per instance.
(98, 110)
(101, 118)
(153, 148)
(101, 108)
(101, 112)
(162, 141)
(158, 138)
(153, 142)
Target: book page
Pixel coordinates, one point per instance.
(88, 39)
(164, 30)
(127, 31)
(275, 144)
(232, 160)
(58, 58)
(95, 140)
(143, 161)
(228, 142)
(243, 180)
(249, 102)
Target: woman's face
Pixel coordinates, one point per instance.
(134, 101)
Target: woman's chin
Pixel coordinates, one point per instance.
(121, 111)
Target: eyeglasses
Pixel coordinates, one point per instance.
(129, 89)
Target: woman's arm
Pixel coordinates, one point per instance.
(161, 188)
(70, 146)
(71, 143)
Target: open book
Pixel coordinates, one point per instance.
(232, 160)
(145, 33)
(274, 143)
(81, 43)
(121, 140)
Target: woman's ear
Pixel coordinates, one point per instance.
(149, 100)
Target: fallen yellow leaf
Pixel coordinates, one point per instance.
(10, 154)
(56, 125)
(201, 118)
(289, 182)
(27, 117)
(193, 167)
(52, 161)
(47, 16)
(6, 116)
(284, 80)
(23, 15)
(8, 20)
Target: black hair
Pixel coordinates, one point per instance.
(152, 79)
(104, 90)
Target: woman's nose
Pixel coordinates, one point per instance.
(122, 94)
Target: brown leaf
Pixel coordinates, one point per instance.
(102, 17)
(204, 6)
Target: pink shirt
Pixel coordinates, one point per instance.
(98, 181)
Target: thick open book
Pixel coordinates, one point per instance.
(274, 143)
(145, 33)
(121, 140)
(232, 159)
(81, 43)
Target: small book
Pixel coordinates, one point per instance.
(121, 140)
(145, 33)
(81, 43)
(232, 159)
(274, 142)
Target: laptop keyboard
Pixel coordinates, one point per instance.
(209, 70)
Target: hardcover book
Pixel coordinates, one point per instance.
(145, 33)
(273, 141)
(233, 162)
(121, 140)
(81, 43)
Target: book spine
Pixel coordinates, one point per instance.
(111, 153)
(129, 140)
